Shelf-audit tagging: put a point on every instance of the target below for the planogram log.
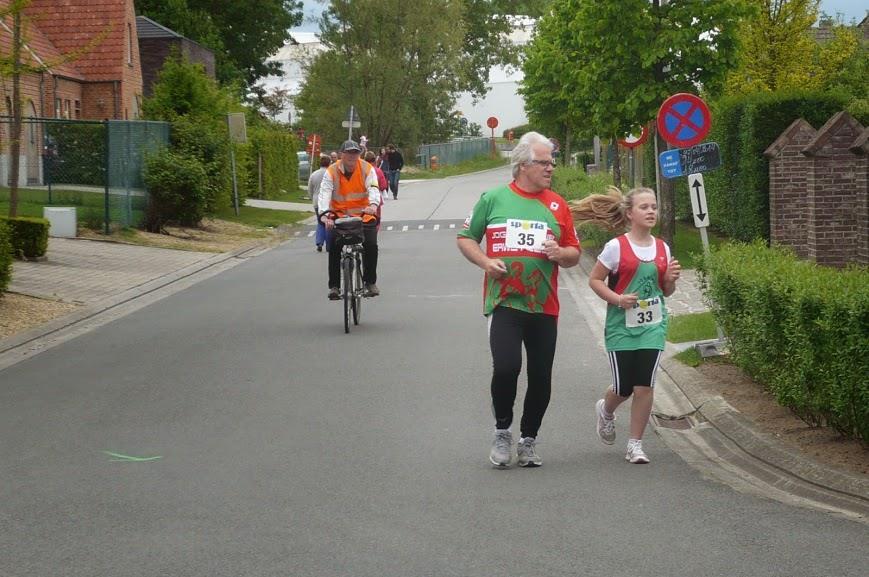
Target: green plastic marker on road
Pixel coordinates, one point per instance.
(130, 459)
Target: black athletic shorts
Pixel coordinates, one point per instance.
(633, 369)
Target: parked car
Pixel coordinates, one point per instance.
(304, 167)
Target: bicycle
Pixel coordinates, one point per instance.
(349, 229)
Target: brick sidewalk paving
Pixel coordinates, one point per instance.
(87, 272)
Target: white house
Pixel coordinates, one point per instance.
(292, 57)
(502, 100)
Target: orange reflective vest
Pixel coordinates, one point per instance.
(349, 193)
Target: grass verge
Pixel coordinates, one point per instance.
(691, 327)
(689, 357)
(261, 217)
(468, 166)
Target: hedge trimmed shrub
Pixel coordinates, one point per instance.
(177, 185)
(738, 192)
(280, 164)
(28, 235)
(798, 328)
(5, 257)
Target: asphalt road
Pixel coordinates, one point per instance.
(289, 448)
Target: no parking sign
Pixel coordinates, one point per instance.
(684, 120)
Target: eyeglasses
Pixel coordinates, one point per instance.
(544, 163)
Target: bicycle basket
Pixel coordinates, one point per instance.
(349, 230)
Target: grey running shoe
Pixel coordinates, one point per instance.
(527, 456)
(606, 428)
(371, 290)
(635, 453)
(334, 294)
(502, 449)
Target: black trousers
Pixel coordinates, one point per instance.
(509, 329)
(369, 257)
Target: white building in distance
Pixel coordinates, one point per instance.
(293, 56)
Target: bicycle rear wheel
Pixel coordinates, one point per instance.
(347, 289)
(358, 289)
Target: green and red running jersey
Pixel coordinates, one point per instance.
(515, 224)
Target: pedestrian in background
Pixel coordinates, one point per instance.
(314, 182)
(396, 163)
(633, 274)
(382, 183)
(529, 234)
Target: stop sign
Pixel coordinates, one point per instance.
(492, 122)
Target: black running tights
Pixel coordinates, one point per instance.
(509, 329)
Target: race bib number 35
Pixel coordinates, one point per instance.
(525, 234)
(645, 312)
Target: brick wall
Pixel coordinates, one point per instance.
(154, 52)
(818, 191)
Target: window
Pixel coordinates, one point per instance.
(66, 109)
(58, 108)
(77, 109)
(129, 44)
(8, 106)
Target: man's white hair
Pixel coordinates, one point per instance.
(523, 153)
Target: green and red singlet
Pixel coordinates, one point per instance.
(515, 224)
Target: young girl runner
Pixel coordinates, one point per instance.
(633, 274)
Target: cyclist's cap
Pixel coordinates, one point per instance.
(350, 146)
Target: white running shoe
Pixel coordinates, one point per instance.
(606, 427)
(502, 449)
(526, 454)
(635, 453)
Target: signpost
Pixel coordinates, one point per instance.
(630, 142)
(351, 123)
(237, 134)
(697, 190)
(492, 123)
(681, 161)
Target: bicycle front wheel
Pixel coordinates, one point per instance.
(358, 290)
(347, 290)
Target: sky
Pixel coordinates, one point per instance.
(850, 10)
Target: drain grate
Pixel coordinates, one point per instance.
(678, 423)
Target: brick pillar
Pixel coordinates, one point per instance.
(860, 148)
(836, 217)
(788, 175)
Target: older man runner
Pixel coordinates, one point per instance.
(529, 234)
(349, 188)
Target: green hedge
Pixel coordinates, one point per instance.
(5, 256)
(280, 164)
(798, 328)
(572, 183)
(738, 192)
(28, 235)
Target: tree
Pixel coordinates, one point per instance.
(778, 50)
(622, 58)
(242, 34)
(395, 61)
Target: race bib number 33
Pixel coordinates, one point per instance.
(525, 234)
(645, 312)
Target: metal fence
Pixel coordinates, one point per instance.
(95, 166)
(453, 152)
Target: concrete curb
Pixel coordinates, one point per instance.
(742, 432)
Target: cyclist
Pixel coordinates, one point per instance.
(529, 234)
(350, 188)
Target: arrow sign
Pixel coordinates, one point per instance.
(697, 191)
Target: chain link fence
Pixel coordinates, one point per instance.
(95, 166)
(453, 152)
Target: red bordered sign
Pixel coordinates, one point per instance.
(684, 120)
(492, 122)
(633, 141)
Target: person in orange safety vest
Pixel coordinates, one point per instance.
(350, 188)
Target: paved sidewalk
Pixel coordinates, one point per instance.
(86, 271)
